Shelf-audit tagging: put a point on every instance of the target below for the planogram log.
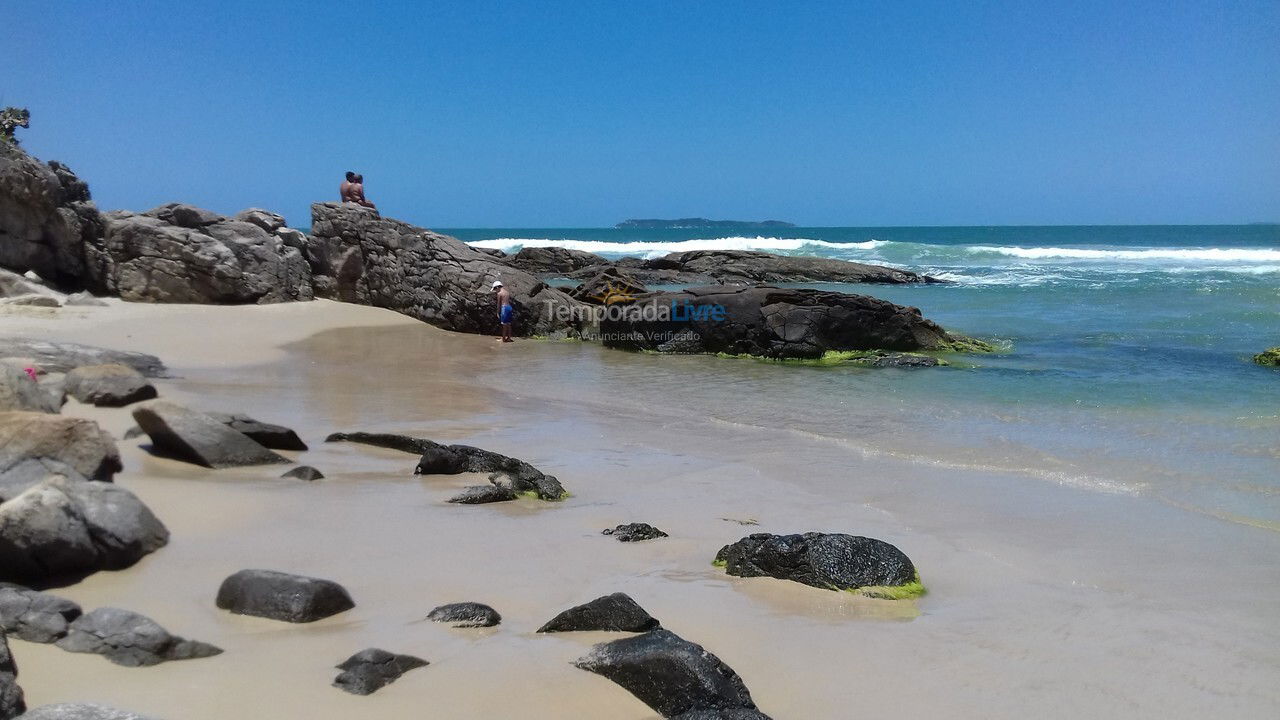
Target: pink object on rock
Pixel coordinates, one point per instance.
(31, 373)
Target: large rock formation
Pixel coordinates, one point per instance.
(358, 256)
(197, 438)
(33, 444)
(553, 260)
(832, 561)
(751, 266)
(182, 254)
(48, 224)
(64, 357)
(769, 322)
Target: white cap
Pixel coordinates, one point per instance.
(497, 284)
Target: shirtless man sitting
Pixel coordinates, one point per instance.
(352, 190)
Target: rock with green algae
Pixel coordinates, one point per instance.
(833, 561)
(1269, 357)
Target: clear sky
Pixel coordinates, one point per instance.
(570, 114)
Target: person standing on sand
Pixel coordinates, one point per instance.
(506, 312)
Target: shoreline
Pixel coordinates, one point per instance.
(1061, 594)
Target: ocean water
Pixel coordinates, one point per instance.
(1124, 365)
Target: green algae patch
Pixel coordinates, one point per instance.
(907, 591)
(965, 344)
(719, 563)
(1269, 357)
(533, 495)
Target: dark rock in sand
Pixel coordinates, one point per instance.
(34, 616)
(281, 596)
(439, 459)
(749, 266)
(358, 256)
(64, 357)
(11, 701)
(198, 438)
(616, 612)
(669, 674)
(47, 222)
(634, 532)
(369, 670)
(832, 561)
(80, 711)
(776, 323)
(608, 287)
(19, 392)
(111, 385)
(182, 254)
(553, 260)
(54, 442)
(276, 437)
(465, 615)
(304, 472)
(129, 639)
(63, 529)
(481, 494)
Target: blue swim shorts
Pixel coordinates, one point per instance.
(506, 315)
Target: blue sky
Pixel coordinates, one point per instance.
(569, 114)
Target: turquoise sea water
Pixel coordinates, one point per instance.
(1126, 366)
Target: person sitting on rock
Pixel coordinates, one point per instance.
(357, 192)
(506, 312)
(344, 190)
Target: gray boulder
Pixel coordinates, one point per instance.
(553, 260)
(276, 437)
(129, 639)
(833, 561)
(358, 256)
(34, 616)
(63, 529)
(372, 669)
(198, 438)
(634, 532)
(19, 392)
(616, 612)
(111, 385)
(669, 674)
(28, 439)
(281, 596)
(465, 615)
(64, 357)
(11, 701)
(80, 711)
(180, 254)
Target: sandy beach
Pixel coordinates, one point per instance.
(1045, 600)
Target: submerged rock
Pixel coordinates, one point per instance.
(832, 561)
(304, 472)
(465, 615)
(616, 612)
(634, 532)
(198, 438)
(34, 616)
(276, 437)
(669, 674)
(32, 444)
(773, 323)
(281, 596)
(64, 529)
(1269, 357)
(129, 639)
(482, 494)
(372, 669)
(751, 266)
(12, 703)
(439, 459)
(80, 711)
(111, 385)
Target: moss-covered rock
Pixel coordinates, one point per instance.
(1269, 357)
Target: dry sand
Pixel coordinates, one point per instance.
(1044, 601)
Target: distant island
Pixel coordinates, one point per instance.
(702, 223)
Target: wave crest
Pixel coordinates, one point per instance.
(649, 249)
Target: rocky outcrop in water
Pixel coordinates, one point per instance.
(833, 561)
(465, 615)
(370, 670)
(616, 612)
(553, 260)
(358, 256)
(276, 437)
(282, 596)
(750, 266)
(35, 616)
(1269, 357)
(197, 438)
(634, 532)
(129, 639)
(669, 674)
(770, 322)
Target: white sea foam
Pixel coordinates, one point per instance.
(654, 249)
(1241, 255)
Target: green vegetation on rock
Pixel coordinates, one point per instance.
(1269, 357)
(913, 589)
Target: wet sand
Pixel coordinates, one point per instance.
(1044, 600)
